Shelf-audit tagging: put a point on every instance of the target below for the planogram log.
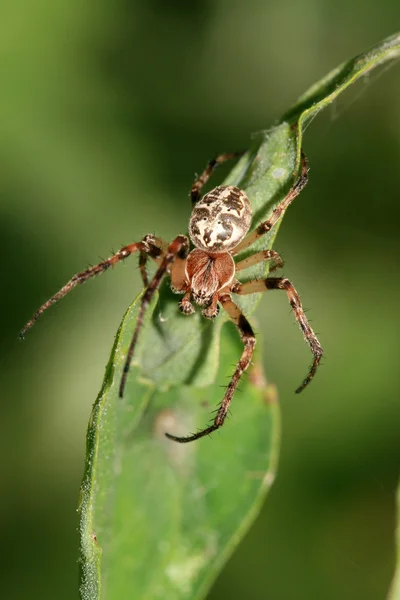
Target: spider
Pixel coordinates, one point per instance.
(206, 275)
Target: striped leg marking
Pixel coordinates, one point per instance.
(280, 283)
(178, 248)
(205, 176)
(278, 211)
(264, 255)
(144, 247)
(249, 341)
(157, 249)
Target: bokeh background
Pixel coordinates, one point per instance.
(107, 109)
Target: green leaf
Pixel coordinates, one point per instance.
(394, 592)
(158, 519)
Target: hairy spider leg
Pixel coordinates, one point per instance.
(281, 283)
(264, 255)
(178, 248)
(205, 176)
(249, 341)
(142, 267)
(267, 225)
(146, 245)
(143, 257)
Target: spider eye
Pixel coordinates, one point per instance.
(204, 218)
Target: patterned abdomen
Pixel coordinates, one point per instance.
(221, 219)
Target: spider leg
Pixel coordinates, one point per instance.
(185, 305)
(249, 341)
(205, 176)
(155, 244)
(212, 310)
(280, 283)
(178, 248)
(264, 255)
(142, 268)
(144, 246)
(267, 225)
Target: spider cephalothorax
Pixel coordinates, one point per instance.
(206, 273)
(218, 229)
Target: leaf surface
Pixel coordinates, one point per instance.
(394, 592)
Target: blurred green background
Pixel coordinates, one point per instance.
(107, 109)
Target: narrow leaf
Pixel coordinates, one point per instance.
(394, 593)
(159, 519)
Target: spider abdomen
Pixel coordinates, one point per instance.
(221, 219)
(207, 273)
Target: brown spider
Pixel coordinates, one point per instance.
(207, 274)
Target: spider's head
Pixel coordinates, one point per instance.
(220, 220)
